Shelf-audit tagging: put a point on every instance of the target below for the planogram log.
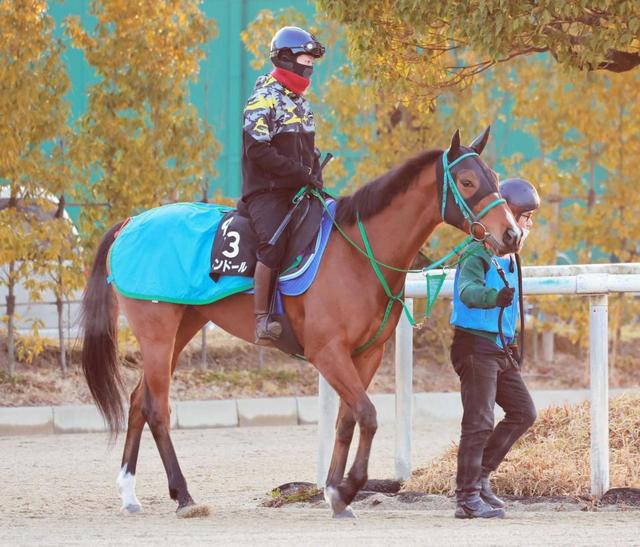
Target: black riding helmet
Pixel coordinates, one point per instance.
(520, 195)
(288, 43)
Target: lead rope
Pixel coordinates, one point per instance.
(521, 302)
(507, 352)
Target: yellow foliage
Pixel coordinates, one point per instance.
(29, 347)
(141, 143)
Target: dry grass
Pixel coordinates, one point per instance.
(553, 457)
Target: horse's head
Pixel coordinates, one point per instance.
(470, 197)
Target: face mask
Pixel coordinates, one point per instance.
(302, 70)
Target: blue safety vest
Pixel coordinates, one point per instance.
(487, 319)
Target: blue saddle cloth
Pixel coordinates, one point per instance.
(164, 254)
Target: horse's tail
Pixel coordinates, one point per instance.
(99, 323)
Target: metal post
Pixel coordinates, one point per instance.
(328, 401)
(404, 395)
(599, 370)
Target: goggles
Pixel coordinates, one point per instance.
(313, 48)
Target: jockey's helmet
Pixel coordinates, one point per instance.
(520, 195)
(288, 43)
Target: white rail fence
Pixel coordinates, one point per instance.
(594, 281)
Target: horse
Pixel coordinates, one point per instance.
(341, 311)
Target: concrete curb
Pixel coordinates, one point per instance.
(255, 412)
(21, 420)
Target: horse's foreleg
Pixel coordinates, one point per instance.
(335, 364)
(366, 365)
(190, 324)
(345, 425)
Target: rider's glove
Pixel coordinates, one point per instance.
(505, 297)
(306, 177)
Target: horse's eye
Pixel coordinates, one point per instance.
(466, 183)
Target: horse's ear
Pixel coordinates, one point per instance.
(454, 147)
(481, 141)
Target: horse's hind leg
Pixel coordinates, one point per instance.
(126, 480)
(156, 327)
(366, 365)
(190, 324)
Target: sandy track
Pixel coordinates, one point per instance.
(60, 490)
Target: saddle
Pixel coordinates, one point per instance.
(235, 244)
(234, 253)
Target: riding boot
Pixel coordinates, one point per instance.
(471, 506)
(487, 494)
(266, 329)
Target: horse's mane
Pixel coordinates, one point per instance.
(378, 193)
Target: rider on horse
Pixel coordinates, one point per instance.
(278, 157)
(489, 372)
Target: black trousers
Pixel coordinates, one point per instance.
(486, 378)
(267, 210)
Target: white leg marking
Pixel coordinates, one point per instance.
(127, 487)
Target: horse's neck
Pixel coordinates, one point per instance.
(397, 232)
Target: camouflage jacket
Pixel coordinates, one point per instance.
(278, 139)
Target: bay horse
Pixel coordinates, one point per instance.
(341, 311)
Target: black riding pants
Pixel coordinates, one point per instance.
(267, 210)
(486, 378)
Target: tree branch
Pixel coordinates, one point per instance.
(619, 61)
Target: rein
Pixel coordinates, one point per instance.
(470, 216)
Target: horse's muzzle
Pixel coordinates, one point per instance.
(512, 239)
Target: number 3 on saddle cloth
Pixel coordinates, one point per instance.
(199, 253)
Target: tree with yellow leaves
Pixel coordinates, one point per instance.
(32, 116)
(141, 142)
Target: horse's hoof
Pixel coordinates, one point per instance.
(192, 510)
(340, 509)
(347, 513)
(131, 509)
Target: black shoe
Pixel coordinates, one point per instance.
(471, 506)
(487, 494)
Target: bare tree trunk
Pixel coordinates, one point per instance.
(59, 301)
(203, 362)
(11, 307)
(63, 350)
(204, 186)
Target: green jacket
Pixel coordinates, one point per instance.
(471, 283)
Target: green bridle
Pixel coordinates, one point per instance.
(448, 184)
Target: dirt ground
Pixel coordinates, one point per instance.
(236, 369)
(60, 490)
